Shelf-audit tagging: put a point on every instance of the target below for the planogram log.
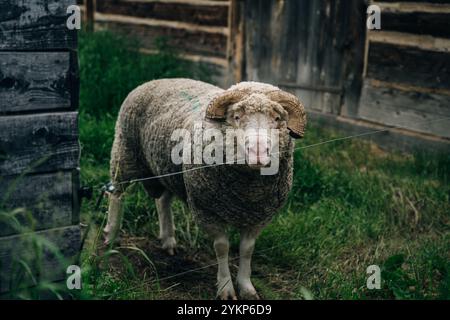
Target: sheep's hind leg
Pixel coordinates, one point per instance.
(246, 289)
(166, 226)
(115, 214)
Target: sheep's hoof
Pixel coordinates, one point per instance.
(109, 241)
(109, 237)
(248, 296)
(169, 245)
(228, 296)
(226, 290)
(248, 292)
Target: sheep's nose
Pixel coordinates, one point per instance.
(258, 149)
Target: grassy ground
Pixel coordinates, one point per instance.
(352, 205)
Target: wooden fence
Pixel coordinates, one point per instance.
(198, 29)
(39, 149)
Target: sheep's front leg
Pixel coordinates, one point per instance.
(246, 288)
(114, 222)
(225, 289)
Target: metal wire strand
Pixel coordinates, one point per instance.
(274, 153)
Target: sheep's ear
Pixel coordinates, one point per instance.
(217, 108)
(295, 109)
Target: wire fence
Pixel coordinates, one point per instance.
(258, 252)
(273, 153)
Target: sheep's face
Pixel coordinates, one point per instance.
(263, 124)
(264, 117)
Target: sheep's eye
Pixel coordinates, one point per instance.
(237, 118)
(277, 119)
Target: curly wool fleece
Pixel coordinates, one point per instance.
(225, 195)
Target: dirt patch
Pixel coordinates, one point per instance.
(186, 275)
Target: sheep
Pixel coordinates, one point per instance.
(222, 196)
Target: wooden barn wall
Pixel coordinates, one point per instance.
(312, 48)
(322, 52)
(197, 30)
(407, 72)
(39, 150)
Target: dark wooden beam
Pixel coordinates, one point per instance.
(236, 42)
(417, 1)
(198, 13)
(38, 143)
(386, 137)
(45, 201)
(36, 81)
(30, 25)
(89, 16)
(409, 65)
(43, 262)
(423, 23)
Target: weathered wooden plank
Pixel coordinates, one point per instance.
(419, 3)
(423, 112)
(77, 196)
(422, 42)
(435, 24)
(189, 27)
(184, 41)
(308, 43)
(431, 1)
(386, 137)
(236, 42)
(33, 81)
(38, 143)
(47, 199)
(319, 101)
(89, 13)
(402, 64)
(211, 15)
(35, 25)
(31, 248)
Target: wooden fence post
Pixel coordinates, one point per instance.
(236, 38)
(90, 15)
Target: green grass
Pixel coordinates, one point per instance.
(352, 205)
(28, 277)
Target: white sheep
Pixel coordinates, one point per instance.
(222, 196)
